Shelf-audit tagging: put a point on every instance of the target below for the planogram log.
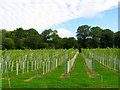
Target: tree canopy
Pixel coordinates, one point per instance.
(31, 39)
(94, 37)
(87, 37)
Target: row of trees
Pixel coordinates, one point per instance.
(31, 39)
(87, 37)
(94, 37)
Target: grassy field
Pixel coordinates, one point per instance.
(78, 78)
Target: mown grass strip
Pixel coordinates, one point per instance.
(110, 78)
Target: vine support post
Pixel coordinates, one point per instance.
(9, 86)
(92, 64)
(65, 64)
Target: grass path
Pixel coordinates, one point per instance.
(78, 78)
(110, 78)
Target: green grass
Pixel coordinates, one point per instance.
(110, 78)
(77, 79)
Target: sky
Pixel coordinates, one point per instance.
(65, 16)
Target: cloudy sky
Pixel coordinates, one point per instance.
(63, 15)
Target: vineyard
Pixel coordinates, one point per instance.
(106, 57)
(56, 68)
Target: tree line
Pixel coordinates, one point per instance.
(31, 39)
(87, 37)
(94, 37)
